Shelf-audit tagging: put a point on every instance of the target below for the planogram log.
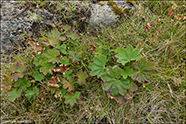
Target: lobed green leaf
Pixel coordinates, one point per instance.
(72, 99)
(127, 72)
(38, 76)
(113, 83)
(127, 55)
(30, 93)
(22, 83)
(143, 70)
(98, 66)
(14, 94)
(52, 55)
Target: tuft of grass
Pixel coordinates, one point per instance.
(159, 36)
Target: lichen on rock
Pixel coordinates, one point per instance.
(111, 3)
(101, 4)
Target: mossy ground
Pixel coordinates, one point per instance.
(160, 36)
(117, 10)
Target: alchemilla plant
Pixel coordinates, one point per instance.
(55, 56)
(119, 79)
(59, 61)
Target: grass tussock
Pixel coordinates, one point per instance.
(158, 30)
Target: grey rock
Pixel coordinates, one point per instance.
(11, 28)
(14, 22)
(103, 15)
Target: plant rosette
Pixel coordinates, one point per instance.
(119, 80)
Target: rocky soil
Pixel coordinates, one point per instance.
(19, 18)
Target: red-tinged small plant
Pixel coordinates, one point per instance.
(59, 64)
(54, 61)
(119, 80)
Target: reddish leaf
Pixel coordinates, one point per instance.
(17, 64)
(63, 68)
(170, 12)
(6, 87)
(129, 95)
(92, 48)
(147, 27)
(53, 82)
(6, 79)
(18, 70)
(67, 84)
(16, 75)
(178, 16)
(143, 70)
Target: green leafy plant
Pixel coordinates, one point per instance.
(82, 75)
(54, 37)
(113, 82)
(18, 80)
(149, 30)
(98, 65)
(12, 95)
(20, 86)
(128, 55)
(60, 59)
(38, 76)
(142, 70)
(57, 61)
(22, 83)
(55, 64)
(32, 93)
(119, 79)
(72, 98)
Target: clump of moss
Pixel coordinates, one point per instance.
(129, 1)
(101, 4)
(127, 10)
(111, 3)
(117, 10)
(132, 2)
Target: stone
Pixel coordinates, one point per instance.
(11, 28)
(106, 13)
(14, 22)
